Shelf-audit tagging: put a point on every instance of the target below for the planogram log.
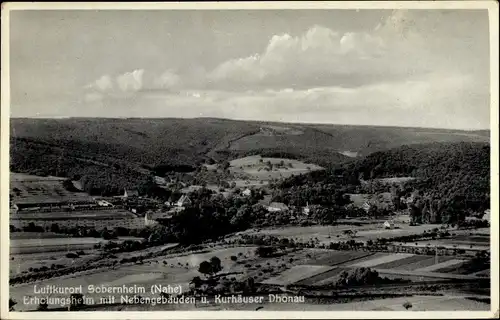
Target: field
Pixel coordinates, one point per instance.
(34, 189)
(83, 214)
(397, 180)
(381, 260)
(453, 244)
(35, 235)
(27, 250)
(400, 229)
(408, 262)
(308, 267)
(333, 258)
(442, 265)
(329, 263)
(322, 278)
(177, 270)
(297, 273)
(413, 262)
(255, 167)
(371, 230)
(359, 199)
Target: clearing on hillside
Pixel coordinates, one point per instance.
(263, 168)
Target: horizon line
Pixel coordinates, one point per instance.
(246, 120)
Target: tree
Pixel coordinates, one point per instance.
(43, 306)
(205, 268)
(250, 284)
(215, 264)
(225, 165)
(264, 252)
(407, 305)
(12, 303)
(54, 228)
(196, 282)
(348, 233)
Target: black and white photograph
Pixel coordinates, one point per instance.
(250, 159)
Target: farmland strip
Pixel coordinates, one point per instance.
(441, 265)
(381, 260)
(427, 274)
(316, 278)
(402, 262)
(297, 273)
(336, 258)
(424, 262)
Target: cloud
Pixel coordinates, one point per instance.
(167, 80)
(133, 81)
(130, 81)
(426, 101)
(104, 83)
(393, 74)
(321, 56)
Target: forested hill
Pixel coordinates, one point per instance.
(426, 160)
(190, 141)
(452, 179)
(117, 153)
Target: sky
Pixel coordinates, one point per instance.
(417, 68)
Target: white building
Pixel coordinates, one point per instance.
(247, 192)
(389, 225)
(104, 203)
(306, 210)
(487, 215)
(366, 206)
(130, 193)
(184, 201)
(276, 207)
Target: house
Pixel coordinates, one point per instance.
(104, 203)
(130, 193)
(160, 180)
(306, 210)
(153, 218)
(366, 206)
(175, 210)
(487, 215)
(388, 225)
(247, 192)
(184, 201)
(149, 219)
(14, 208)
(277, 207)
(408, 200)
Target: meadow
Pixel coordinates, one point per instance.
(256, 167)
(371, 230)
(34, 189)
